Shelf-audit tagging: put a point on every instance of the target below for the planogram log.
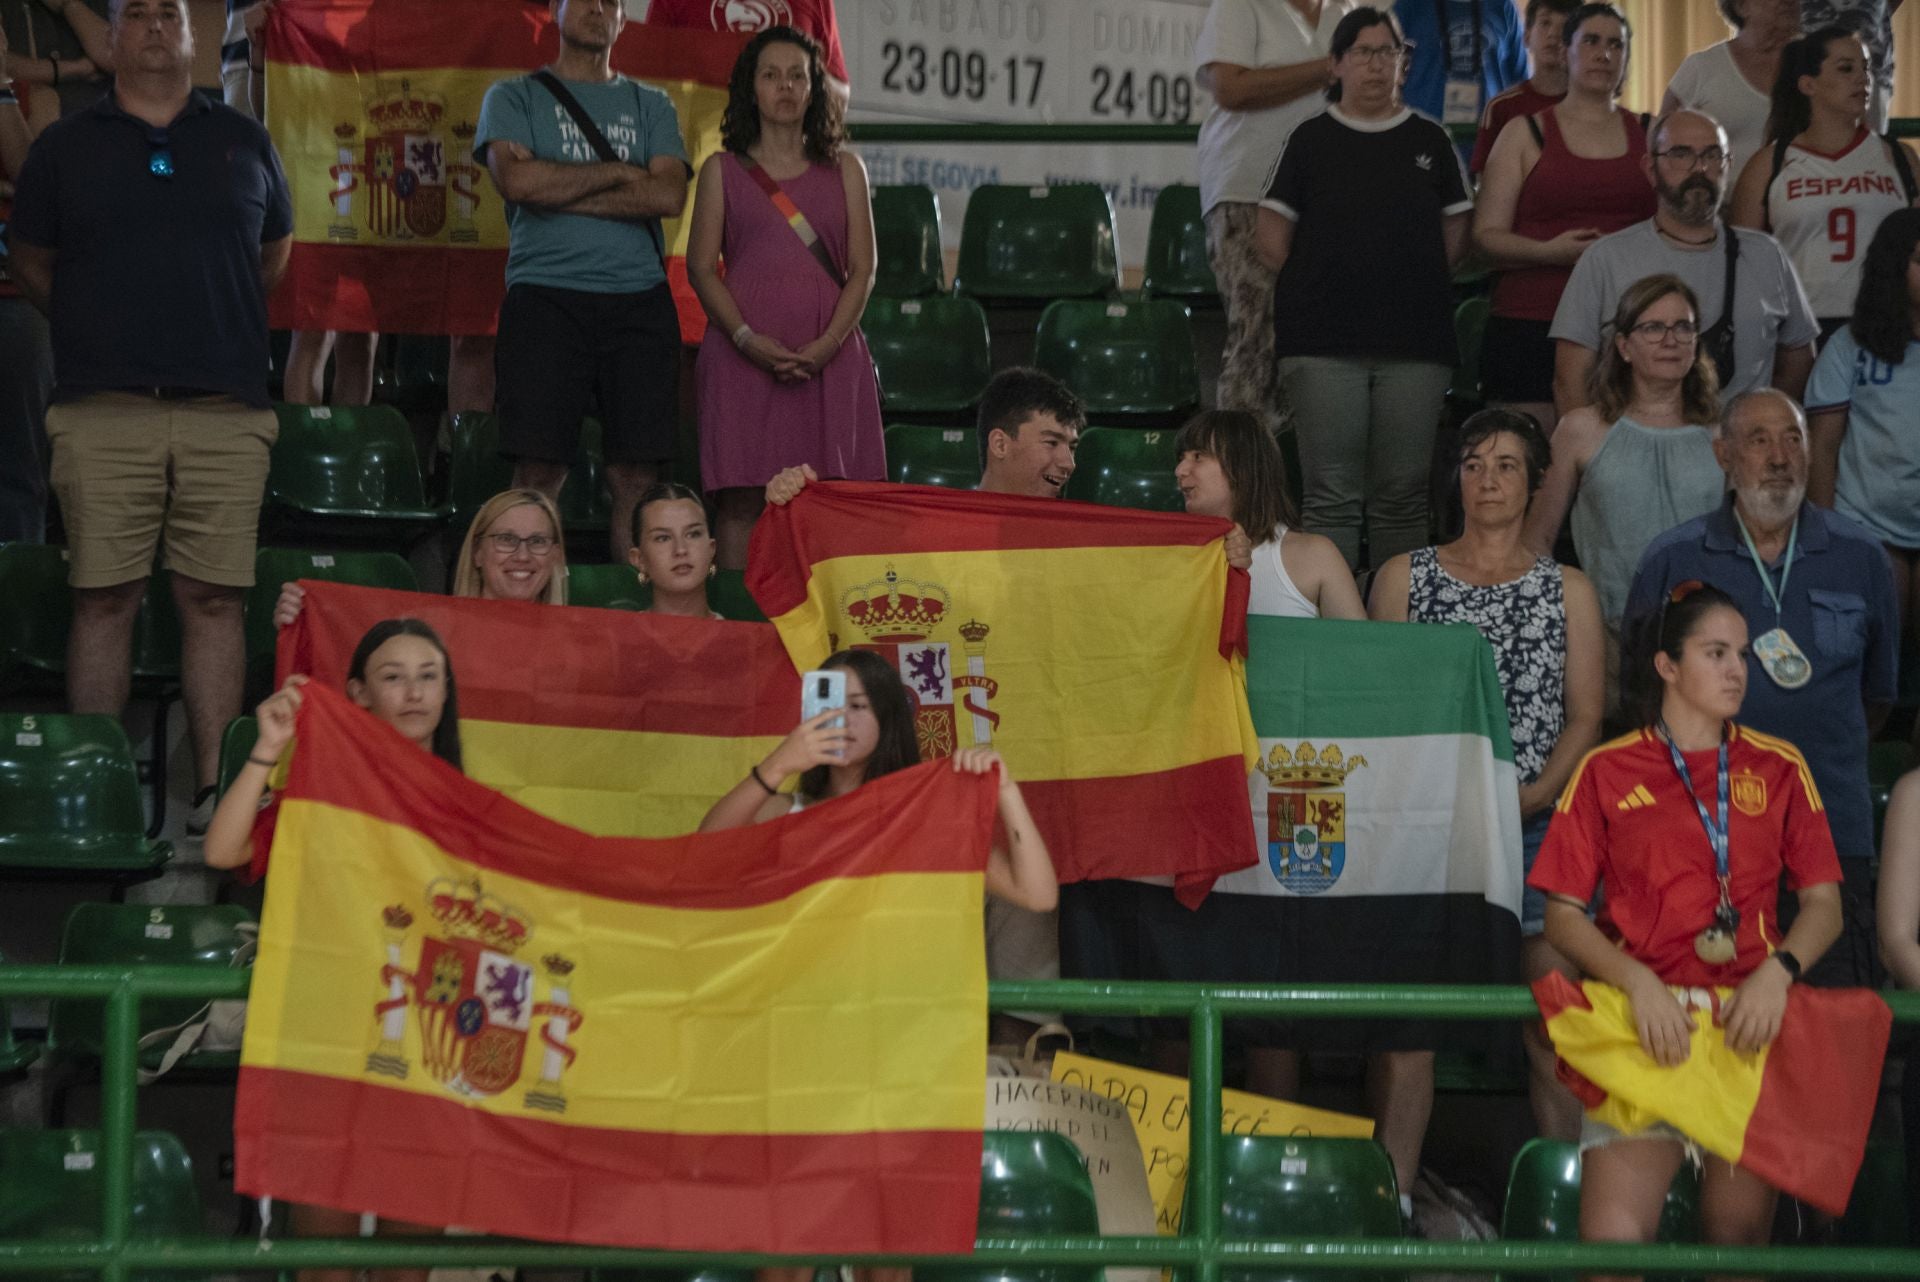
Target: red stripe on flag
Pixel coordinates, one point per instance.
(568, 665)
(906, 1191)
(397, 289)
(368, 36)
(1809, 1127)
(1192, 822)
(881, 827)
(649, 52)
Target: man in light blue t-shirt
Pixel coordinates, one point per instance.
(588, 323)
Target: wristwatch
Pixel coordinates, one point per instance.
(1789, 963)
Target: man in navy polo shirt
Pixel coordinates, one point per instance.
(150, 228)
(1823, 626)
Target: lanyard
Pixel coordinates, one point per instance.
(1766, 576)
(1716, 832)
(1478, 72)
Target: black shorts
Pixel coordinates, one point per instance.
(1854, 960)
(1516, 360)
(565, 354)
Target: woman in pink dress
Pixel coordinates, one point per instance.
(784, 373)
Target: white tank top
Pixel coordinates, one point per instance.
(1273, 590)
(1824, 210)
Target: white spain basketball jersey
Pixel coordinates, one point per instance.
(1824, 210)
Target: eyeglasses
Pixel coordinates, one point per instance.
(1374, 55)
(508, 544)
(1682, 331)
(1688, 160)
(160, 163)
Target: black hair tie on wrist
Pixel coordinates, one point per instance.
(770, 789)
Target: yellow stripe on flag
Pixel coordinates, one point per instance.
(710, 1021)
(611, 783)
(1065, 633)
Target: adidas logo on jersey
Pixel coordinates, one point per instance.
(1423, 160)
(1638, 799)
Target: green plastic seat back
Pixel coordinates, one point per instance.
(35, 605)
(1543, 1202)
(273, 568)
(1877, 1212)
(356, 458)
(1127, 467)
(1038, 242)
(906, 242)
(1121, 357)
(72, 795)
(1286, 1186)
(1177, 265)
(1031, 1184)
(419, 378)
(52, 1182)
(236, 741)
(613, 587)
(727, 594)
(932, 353)
(477, 471)
(203, 935)
(921, 455)
(1469, 334)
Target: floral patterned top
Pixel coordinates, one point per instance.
(1525, 621)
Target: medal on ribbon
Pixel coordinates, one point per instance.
(1784, 662)
(1716, 944)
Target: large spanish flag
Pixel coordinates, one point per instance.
(373, 106)
(767, 1039)
(619, 723)
(1795, 1114)
(1095, 647)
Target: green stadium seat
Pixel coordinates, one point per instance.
(1032, 1183)
(418, 381)
(1887, 760)
(1029, 244)
(1543, 1200)
(274, 568)
(921, 455)
(14, 1055)
(1177, 264)
(610, 587)
(1469, 335)
(38, 607)
(236, 741)
(1877, 1213)
(932, 354)
(347, 473)
(1283, 1186)
(477, 472)
(134, 935)
(1122, 358)
(906, 242)
(72, 800)
(1126, 467)
(52, 1188)
(727, 594)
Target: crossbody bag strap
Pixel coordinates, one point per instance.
(783, 203)
(596, 140)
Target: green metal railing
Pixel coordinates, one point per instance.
(1201, 1249)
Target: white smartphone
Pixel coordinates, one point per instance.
(823, 690)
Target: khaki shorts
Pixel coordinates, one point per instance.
(1023, 944)
(128, 467)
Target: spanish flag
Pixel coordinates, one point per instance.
(1795, 1114)
(1097, 648)
(373, 105)
(617, 723)
(768, 1039)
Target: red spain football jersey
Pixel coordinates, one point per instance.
(1626, 824)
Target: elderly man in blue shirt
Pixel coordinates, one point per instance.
(1817, 592)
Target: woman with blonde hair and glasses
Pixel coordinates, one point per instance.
(1639, 459)
(515, 550)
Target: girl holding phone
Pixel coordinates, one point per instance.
(875, 738)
